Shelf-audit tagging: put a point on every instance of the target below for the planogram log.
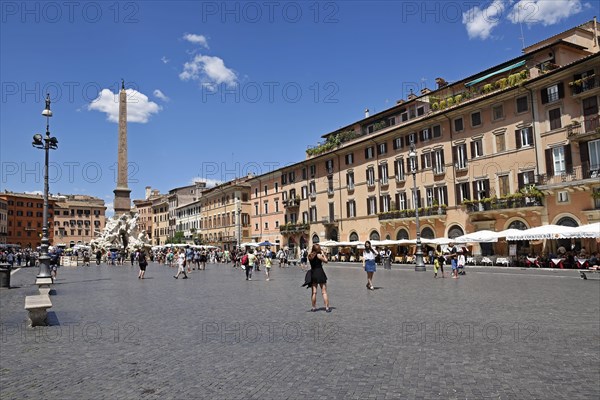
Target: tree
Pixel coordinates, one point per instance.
(178, 237)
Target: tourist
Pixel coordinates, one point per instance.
(250, 265)
(316, 276)
(181, 265)
(438, 262)
(203, 258)
(143, 263)
(453, 260)
(460, 262)
(268, 264)
(387, 258)
(98, 257)
(54, 261)
(369, 256)
(303, 258)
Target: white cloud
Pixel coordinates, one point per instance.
(110, 209)
(209, 182)
(165, 60)
(208, 70)
(139, 108)
(196, 39)
(160, 95)
(546, 12)
(481, 21)
(36, 192)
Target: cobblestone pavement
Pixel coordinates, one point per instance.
(496, 333)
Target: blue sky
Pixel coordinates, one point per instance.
(221, 89)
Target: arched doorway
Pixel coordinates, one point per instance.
(523, 246)
(427, 233)
(455, 231)
(333, 235)
(402, 234)
(292, 247)
(568, 244)
(374, 235)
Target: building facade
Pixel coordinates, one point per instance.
(3, 221)
(160, 220)
(24, 215)
(143, 208)
(514, 146)
(224, 214)
(179, 197)
(78, 219)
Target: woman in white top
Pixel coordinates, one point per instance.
(369, 256)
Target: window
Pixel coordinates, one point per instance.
(255, 227)
(391, 121)
(497, 112)
(371, 206)
(255, 208)
(383, 174)
(304, 192)
(424, 135)
(305, 217)
(350, 180)
(411, 138)
(312, 189)
(477, 148)
(370, 176)
(458, 125)
(522, 104)
(292, 177)
(266, 190)
(524, 137)
(526, 179)
(381, 148)
(500, 142)
(462, 192)
(436, 131)
(349, 158)
(283, 179)
(384, 203)
(398, 143)
(429, 197)
(401, 201)
(313, 214)
(594, 154)
(562, 197)
(438, 161)
(459, 155)
(329, 166)
(558, 155)
(558, 160)
(399, 169)
(476, 119)
(404, 116)
(369, 152)
(330, 185)
(276, 187)
(351, 209)
(313, 170)
(481, 189)
(503, 185)
(441, 195)
(553, 93)
(426, 160)
(266, 225)
(276, 205)
(554, 117)
(420, 111)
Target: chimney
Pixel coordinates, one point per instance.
(425, 91)
(400, 101)
(412, 96)
(148, 192)
(441, 83)
(366, 113)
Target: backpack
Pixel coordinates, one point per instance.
(245, 259)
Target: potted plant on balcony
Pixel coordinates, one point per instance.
(487, 88)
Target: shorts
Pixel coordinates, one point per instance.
(454, 265)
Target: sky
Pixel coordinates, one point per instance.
(217, 90)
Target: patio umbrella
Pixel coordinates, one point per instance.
(478, 237)
(586, 231)
(329, 243)
(543, 232)
(265, 243)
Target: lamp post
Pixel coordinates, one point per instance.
(45, 143)
(419, 265)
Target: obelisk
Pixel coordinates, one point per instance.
(122, 203)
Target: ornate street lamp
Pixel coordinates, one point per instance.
(419, 265)
(45, 143)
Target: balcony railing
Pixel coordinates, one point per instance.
(291, 228)
(502, 204)
(591, 125)
(423, 212)
(578, 173)
(330, 220)
(584, 84)
(291, 203)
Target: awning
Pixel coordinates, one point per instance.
(483, 78)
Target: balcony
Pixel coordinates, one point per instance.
(505, 203)
(589, 130)
(584, 84)
(331, 220)
(292, 203)
(294, 228)
(579, 175)
(423, 213)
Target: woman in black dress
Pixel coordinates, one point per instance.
(318, 277)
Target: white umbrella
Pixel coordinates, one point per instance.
(478, 237)
(587, 231)
(543, 232)
(329, 243)
(249, 244)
